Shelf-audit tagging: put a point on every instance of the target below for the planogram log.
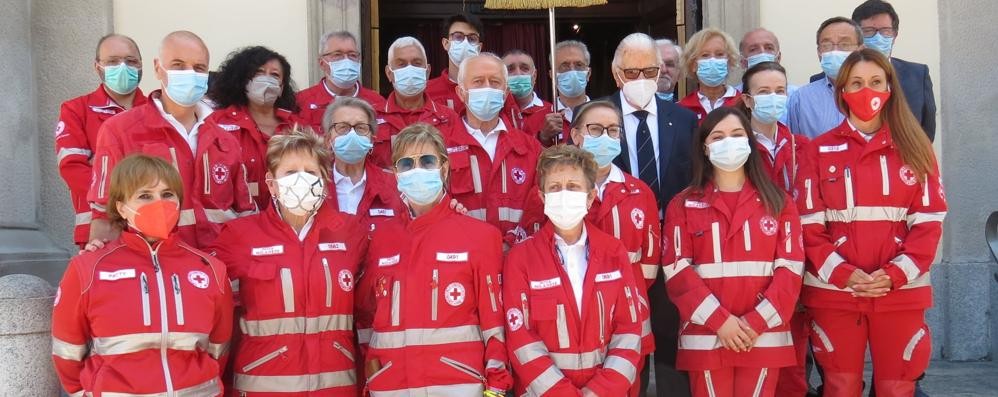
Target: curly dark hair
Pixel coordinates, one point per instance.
(229, 83)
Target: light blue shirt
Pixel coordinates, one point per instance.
(811, 111)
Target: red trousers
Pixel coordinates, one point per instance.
(793, 380)
(900, 345)
(734, 382)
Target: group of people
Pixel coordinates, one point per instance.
(465, 237)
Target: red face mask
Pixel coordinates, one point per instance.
(866, 103)
(156, 219)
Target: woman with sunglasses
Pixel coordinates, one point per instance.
(733, 261)
(438, 327)
(295, 265)
(709, 55)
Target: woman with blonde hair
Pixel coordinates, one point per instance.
(709, 56)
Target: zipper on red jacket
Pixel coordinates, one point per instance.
(207, 174)
(526, 309)
(178, 299)
(492, 294)
(146, 315)
(163, 320)
(630, 302)
(602, 318)
(433, 294)
(329, 282)
(850, 200)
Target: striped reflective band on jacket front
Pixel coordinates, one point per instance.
(712, 342)
(131, 343)
(297, 325)
(461, 390)
(209, 388)
(295, 383)
(426, 337)
(66, 152)
(746, 268)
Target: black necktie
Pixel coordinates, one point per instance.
(647, 167)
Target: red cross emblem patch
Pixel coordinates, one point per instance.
(454, 294)
(198, 279)
(514, 317)
(345, 279)
(519, 175)
(768, 225)
(908, 176)
(219, 173)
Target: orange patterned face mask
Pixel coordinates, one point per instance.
(156, 219)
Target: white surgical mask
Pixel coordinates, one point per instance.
(730, 153)
(640, 92)
(300, 193)
(566, 208)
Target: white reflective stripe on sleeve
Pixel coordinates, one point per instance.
(507, 214)
(98, 207)
(712, 342)
(68, 351)
(747, 236)
(817, 218)
(216, 350)
(705, 310)
(715, 238)
(768, 313)
(831, 262)
(364, 335)
(186, 218)
(622, 366)
(425, 337)
(80, 393)
(530, 352)
(477, 214)
(924, 217)
(219, 216)
(131, 343)
(297, 325)
(544, 382)
(924, 280)
(649, 270)
(496, 333)
(907, 265)
(495, 364)
(909, 349)
(295, 383)
(634, 256)
(867, 214)
(209, 388)
(66, 152)
(735, 269)
(84, 218)
(476, 174)
(672, 270)
(885, 180)
(795, 266)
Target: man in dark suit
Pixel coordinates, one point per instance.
(655, 147)
(879, 23)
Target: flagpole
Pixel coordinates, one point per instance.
(554, 73)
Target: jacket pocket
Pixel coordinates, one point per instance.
(462, 178)
(831, 187)
(463, 368)
(917, 352)
(261, 289)
(346, 352)
(378, 373)
(265, 359)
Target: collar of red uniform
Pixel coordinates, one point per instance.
(381, 182)
(137, 243)
(711, 194)
(882, 138)
(240, 115)
(100, 99)
(392, 107)
(440, 210)
(327, 217)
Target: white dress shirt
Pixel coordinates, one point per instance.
(705, 102)
(575, 263)
(489, 140)
(631, 131)
(201, 112)
(569, 113)
(616, 175)
(348, 194)
(769, 144)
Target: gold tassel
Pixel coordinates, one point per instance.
(539, 4)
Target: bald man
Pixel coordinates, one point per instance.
(118, 65)
(172, 126)
(760, 45)
(492, 163)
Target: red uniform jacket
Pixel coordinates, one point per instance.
(392, 119)
(496, 191)
(784, 167)
(215, 188)
(534, 122)
(80, 119)
(442, 90)
(863, 208)
(314, 100)
(555, 351)
(131, 319)
(692, 102)
(741, 261)
(381, 202)
(297, 302)
(237, 121)
(438, 328)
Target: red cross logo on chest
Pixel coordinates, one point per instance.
(454, 294)
(219, 173)
(198, 279)
(345, 278)
(514, 317)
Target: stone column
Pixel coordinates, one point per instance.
(327, 16)
(25, 340)
(734, 17)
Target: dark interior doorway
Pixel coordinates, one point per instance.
(600, 27)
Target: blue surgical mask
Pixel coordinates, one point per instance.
(485, 103)
(879, 42)
(573, 83)
(186, 87)
(831, 61)
(760, 58)
(410, 80)
(521, 85)
(712, 71)
(344, 72)
(459, 50)
(121, 78)
(351, 148)
(604, 148)
(666, 96)
(769, 108)
(420, 185)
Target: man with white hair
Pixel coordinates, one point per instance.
(492, 163)
(669, 74)
(656, 149)
(572, 72)
(408, 71)
(340, 62)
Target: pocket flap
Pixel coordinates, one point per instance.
(262, 270)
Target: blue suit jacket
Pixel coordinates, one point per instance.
(676, 126)
(917, 87)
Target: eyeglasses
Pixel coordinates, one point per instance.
(825, 47)
(339, 55)
(425, 161)
(596, 130)
(472, 38)
(568, 67)
(130, 61)
(649, 73)
(886, 32)
(343, 128)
